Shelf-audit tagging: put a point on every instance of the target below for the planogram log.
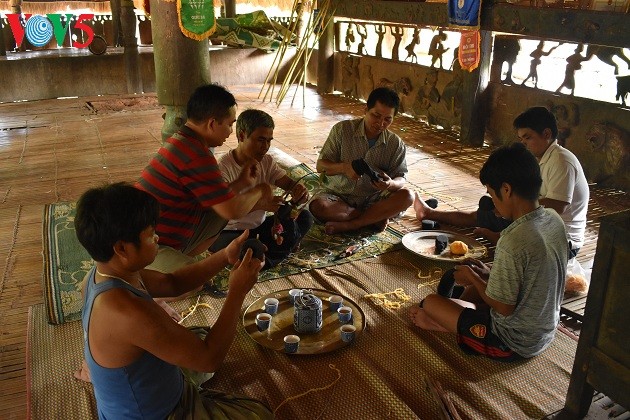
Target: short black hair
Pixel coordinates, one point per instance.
(537, 118)
(209, 101)
(250, 119)
(386, 96)
(112, 213)
(514, 165)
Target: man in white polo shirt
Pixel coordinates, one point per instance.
(564, 187)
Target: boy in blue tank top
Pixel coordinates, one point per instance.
(133, 349)
(512, 310)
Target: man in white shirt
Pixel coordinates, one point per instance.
(564, 186)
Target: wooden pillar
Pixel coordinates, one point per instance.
(181, 64)
(3, 50)
(325, 58)
(130, 43)
(476, 96)
(230, 8)
(118, 36)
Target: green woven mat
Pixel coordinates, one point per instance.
(66, 262)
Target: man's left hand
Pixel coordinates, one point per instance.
(233, 250)
(299, 194)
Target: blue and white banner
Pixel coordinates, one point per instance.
(464, 13)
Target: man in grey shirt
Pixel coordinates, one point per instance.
(365, 166)
(512, 310)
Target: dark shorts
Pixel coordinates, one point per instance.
(475, 336)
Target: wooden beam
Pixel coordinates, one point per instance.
(569, 25)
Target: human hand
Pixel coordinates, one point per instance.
(488, 234)
(233, 250)
(266, 192)
(247, 177)
(272, 204)
(244, 274)
(463, 274)
(384, 183)
(299, 194)
(349, 171)
(478, 267)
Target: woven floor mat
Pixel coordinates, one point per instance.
(382, 375)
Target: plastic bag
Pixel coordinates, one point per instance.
(577, 280)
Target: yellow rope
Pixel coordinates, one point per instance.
(381, 299)
(311, 390)
(188, 312)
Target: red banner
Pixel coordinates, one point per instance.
(469, 50)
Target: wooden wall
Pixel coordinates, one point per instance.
(597, 132)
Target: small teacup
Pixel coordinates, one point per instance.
(291, 343)
(271, 305)
(345, 314)
(293, 293)
(347, 333)
(263, 320)
(335, 302)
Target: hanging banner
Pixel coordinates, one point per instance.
(196, 18)
(464, 13)
(469, 50)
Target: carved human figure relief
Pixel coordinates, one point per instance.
(436, 48)
(415, 40)
(397, 33)
(380, 32)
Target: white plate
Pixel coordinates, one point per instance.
(423, 244)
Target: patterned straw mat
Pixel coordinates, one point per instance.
(66, 262)
(381, 375)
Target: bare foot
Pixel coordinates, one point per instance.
(417, 316)
(488, 234)
(336, 227)
(83, 373)
(421, 208)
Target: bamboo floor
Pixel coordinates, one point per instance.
(53, 150)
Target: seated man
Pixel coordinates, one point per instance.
(365, 165)
(564, 187)
(133, 349)
(511, 310)
(195, 201)
(280, 232)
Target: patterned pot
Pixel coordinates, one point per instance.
(307, 317)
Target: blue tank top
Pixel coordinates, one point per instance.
(148, 388)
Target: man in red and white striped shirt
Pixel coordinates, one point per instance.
(195, 201)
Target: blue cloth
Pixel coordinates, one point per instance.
(148, 388)
(464, 13)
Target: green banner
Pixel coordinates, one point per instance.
(196, 18)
